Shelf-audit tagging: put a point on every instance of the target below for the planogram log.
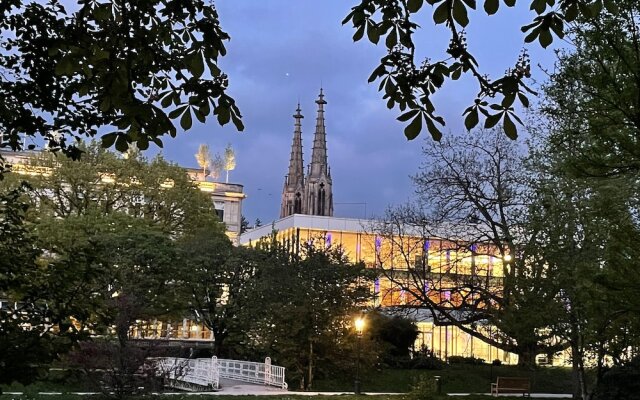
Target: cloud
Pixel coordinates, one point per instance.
(280, 52)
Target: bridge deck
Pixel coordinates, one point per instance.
(212, 373)
(232, 386)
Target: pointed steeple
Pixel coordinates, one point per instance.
(294, 181)
(318, 184)
(319, 153)
(296, 164)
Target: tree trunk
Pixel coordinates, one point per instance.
(218, 341)
(576, 378)
(310, 376)
(578, 375)
(527, 356)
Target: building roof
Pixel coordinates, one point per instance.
(355, 225)
(308, 222)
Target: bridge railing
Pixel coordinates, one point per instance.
(253, 372)
(190, 374)
(199, 373)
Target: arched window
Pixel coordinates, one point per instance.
(297, 204)
(321, 200)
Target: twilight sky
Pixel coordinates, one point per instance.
(281, 50)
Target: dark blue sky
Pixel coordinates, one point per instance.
(281, 51)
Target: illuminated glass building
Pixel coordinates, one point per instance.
(439, 261)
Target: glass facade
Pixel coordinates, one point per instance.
(412, 264)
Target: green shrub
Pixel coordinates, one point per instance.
(620, 383)
(424, 389)
(426, 362)
(465, 360)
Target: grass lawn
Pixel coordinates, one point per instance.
(284, 397)
(456, 378)
(56, 381)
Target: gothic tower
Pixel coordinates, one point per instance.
(317, 189)
(293, 191)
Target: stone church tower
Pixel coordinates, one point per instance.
(293, 191)
(311, 195)
(317, 187)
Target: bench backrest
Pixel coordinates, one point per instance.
(516, 383)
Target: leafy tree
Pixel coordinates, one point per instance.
(102, 182)
(244, 224)
(129, 67)
(621, 382)
(588, 158)
(229, 160)
(598, 120)
(217, 165)
(307, 304)
(203, 156)
(472, 194)
(104, 228)
(396, 333)
(215, 278)
(410, 82)
(22, 352)
(95, 259)
(591, 248)
(119, 275)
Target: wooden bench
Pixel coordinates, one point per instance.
(511, 385)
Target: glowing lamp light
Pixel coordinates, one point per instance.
(507, 258)
(359, 324)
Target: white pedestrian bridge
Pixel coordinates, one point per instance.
(201, 374)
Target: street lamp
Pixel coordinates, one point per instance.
(359, 324)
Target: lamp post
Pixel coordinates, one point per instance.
(359, 324)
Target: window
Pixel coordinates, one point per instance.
(297, 204)
(219, 206)
(321, 200)
(231, 209)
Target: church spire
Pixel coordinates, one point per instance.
(294, 181)
(296, 164)
(319, 153)
(318, 184)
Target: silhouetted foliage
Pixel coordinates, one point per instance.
(620, 383)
